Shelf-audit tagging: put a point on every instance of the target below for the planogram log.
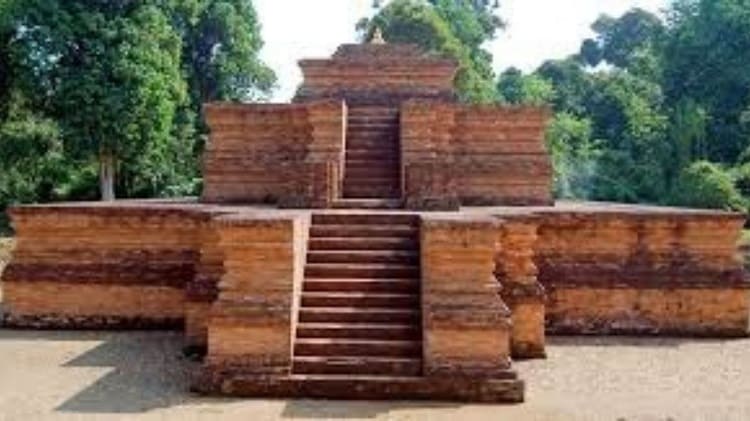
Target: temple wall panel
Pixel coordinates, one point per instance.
(500, 156)
(289, 154)
(474, 155)
(466, 325)
(249, 326)
(100, 267)
(627, 273)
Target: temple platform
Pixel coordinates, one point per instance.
(280, 295)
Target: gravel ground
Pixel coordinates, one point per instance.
(98, 375)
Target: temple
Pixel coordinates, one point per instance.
(375, 239)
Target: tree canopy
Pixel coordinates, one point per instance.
(454, 28)
(118, 86)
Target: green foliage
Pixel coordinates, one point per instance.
(741, 176)
(453, 28)
(706, 185)
(221, 43)
(122, 79)
(574, 156)
(111, 73)
(33, 166)
(706, 57)
(622, 42)
(513, 87)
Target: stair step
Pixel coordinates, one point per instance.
(390, 184)
(363, 110)
(334, 218)
(374, 141)
(359, 331)
(507, 389)
(358, 365)
(356, 347)
(357, 315)
(363, 231)
(369, 123)
(353, 243)
(361, 285)
(364, 256)
(368, 192)
(392, 164)
(350, 174)
(359, 299)
(385, 154)
(361, 270)
(390, 201)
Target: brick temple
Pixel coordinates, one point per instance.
(375, 239)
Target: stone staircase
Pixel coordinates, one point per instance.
(372, 164)
(359, 319)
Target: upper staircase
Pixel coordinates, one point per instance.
(372, 164)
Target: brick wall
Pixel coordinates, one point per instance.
(676, 273)
(100, 266)
(377, 74)
(474, 155)
(289, 154)
(250, 326)
(466, 326)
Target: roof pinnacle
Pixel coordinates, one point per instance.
(377, 36)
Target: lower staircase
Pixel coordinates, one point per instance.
(358, 331)
(359, 319)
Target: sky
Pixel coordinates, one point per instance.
(537, 30)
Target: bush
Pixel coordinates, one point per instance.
(705, 185)
(741, 176)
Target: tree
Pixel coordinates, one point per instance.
(706, 57)
(221, 43)
(622, 41)
(573, 86)
(518, 89)
(574, 156)
(628, 116)
(454, 28)
(109, 73)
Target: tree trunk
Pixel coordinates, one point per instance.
(106, 175)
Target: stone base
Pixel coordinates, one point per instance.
(528, 350)
(447, 389)
(668, 311)
(62, 322)
(612, 328)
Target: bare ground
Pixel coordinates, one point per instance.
(98, 375)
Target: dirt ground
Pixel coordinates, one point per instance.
(142, 376)
(96, 375)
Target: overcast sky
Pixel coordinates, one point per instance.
(538, 30)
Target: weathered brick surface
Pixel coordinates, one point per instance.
(667, 311)
(377, 74)
(69, 300)
(250, 322)
(676, 273)
(466, 325)
(517, 273)
(274, 153)
(100, 262)
(455, 154)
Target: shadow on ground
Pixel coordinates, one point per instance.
(146, 371)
